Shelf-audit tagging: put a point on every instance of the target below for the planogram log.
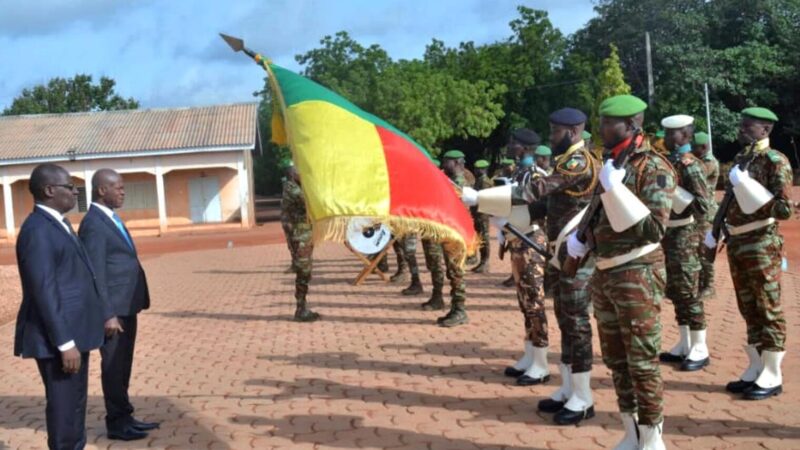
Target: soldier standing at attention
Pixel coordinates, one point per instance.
(763, 195)
(703, 152)
(453, 166)
(505, 176)
(681, 245)
(628, 282)
(295, 218)
(481, 221)
(566, 193)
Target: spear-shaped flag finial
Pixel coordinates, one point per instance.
(238, 45)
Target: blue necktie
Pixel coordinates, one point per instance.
(121, 228)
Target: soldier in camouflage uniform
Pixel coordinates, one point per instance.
(481, 221)
(453, 166)
(762, 196)
(286, 225)
(566, 192)
(628, 282)
(402, 261)
(681, 244)
(295, 219)
(702, 150)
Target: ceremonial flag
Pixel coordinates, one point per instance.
(354, 164)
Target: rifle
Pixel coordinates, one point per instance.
(527, 241)
(584, 228)
(718, 228)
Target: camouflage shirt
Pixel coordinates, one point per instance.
(691, 176)
(524, 176)
(651, 178)
(293, 204)
(712, 176)
(565, 192)
(482, 182)
(772, 170)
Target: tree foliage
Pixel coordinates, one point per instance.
(76, 94)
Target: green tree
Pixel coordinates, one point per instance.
(63, 95)
(610, 82)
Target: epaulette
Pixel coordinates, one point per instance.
(775, 156)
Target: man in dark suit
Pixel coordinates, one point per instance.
(61, 317)
(123, 287)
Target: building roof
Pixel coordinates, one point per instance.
(116, 133)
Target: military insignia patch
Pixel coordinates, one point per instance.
(662, 181)
(571, 164)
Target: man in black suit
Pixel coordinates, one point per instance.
(61, 317)
(123, 287)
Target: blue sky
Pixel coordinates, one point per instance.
(167, 53)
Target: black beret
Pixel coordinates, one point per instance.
(568, 117)
(526, 136)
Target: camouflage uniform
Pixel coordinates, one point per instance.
(286, 224)
(528, 267)
(755, 257)
(481, 221)
(566, 192)
(711, 166)
(681, 243)
(627, 298)
(295, 219)
(454, 269)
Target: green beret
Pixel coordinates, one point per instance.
(622, 106)
(701, 138)
(481, 164)
(436, 162)
(453, 154)
(285, 164)
(542, 150)
(760, 113)
(507, 162)
(586, 135)
(660, 134)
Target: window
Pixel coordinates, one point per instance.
(82, 206)
(140, 195)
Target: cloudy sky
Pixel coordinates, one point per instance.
(167, 52)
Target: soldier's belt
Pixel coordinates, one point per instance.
(680, 222)
(614, 261)
(748, 227)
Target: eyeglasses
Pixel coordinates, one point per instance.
(67, 186)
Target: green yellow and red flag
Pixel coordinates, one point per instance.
(354, 164)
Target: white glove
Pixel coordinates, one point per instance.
(576, 248)
(737, 176)
(498, 222)
(709, 241)
(469, 196)
(611, 177)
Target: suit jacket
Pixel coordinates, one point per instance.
(120, 277)
(60, 299)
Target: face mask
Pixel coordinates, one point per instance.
(686, 148)
(526, 161)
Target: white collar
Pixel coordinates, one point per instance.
(56, 215)
(108, 211)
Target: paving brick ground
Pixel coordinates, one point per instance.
(221, 365)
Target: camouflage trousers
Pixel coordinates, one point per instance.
(287, 233)
(481, 223)
(627, 304)
(302, 248)
(755, 260)
(454, 269)
(682, 258)
(400, 254)
(409, 245)
(706, 278)
(571, 300)
(528, 268)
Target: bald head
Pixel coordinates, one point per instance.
(108, 188)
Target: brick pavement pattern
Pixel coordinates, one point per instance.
(222, 366)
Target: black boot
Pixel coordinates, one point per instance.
(435, 302)
(568, 417)
(415, 288)
(457, 316)
(402, 268)
(302, 313)
(509, 282)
